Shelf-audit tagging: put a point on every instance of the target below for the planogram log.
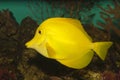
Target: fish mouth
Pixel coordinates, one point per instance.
(41, 48)
(28, 44)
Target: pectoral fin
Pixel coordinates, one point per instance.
(50, 51)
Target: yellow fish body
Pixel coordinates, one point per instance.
(65, 40)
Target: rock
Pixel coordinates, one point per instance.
(8, 24)
(27, 29)
(8, 32)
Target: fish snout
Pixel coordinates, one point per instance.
(28, 44)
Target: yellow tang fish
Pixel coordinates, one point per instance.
(65, 40)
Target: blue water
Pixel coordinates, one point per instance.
(18, 8)
(21, 10)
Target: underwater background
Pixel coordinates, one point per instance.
(19, 20)
(87, 11)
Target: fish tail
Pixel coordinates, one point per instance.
(101, 48)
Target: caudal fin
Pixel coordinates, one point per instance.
(101, 48)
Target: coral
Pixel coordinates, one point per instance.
(111, 17)
(118, 76)
(27, 27)
(9, 46)
(48, 8)
(109, 21)
(109, 75)
(8, 43)
(10, 72)
(7, 75)
(57, 8)
(8, 25)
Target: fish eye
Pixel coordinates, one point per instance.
(39, 32)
